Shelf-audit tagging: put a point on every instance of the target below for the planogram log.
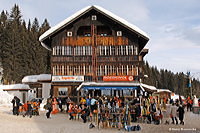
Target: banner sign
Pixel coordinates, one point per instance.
(118, 78)
(110, 87)
(67, 78)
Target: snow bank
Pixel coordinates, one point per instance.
(5, 98)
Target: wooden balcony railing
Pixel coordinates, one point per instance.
(99, 59)
(117, 59)
(100, 40)
(71, 59)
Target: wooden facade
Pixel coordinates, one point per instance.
(94, 45)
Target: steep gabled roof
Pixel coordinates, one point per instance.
(83, 11)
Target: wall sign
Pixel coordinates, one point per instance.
(118, 78)
(67, 78)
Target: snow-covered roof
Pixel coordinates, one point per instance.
(153, 88)
(15, 87)
(108, 84)
(36, 78)
(163, 90)
(30, 78)
(44, 77)
(70, 19)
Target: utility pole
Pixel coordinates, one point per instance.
(189, 83)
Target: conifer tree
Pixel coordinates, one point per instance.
(13, 50)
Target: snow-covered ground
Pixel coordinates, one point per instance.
(60, 123)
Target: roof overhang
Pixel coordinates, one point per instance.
(144, 52)
(163, 91)
(109, 84)
(149, 88)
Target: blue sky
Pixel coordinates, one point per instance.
(173, 25)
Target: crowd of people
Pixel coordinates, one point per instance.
(25, 109)
(111, 111)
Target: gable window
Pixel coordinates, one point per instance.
(94, 17)
(69, 33)
(119, 33)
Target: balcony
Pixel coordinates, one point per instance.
(102, 59)
(100, 40)
(63, 59)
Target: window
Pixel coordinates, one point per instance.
(103, 49)
(69, 33)
(88, 50)
(129, 70)
(58, 50)
(53, 70)
(122, 68)
(127, 50)
(118, 50)
(119, 33)
(112, 50)
(70, 70)
(88, 70)
(123, 50)
(94, 17)
(106, 92)
(77, 70)
(99, 71)
(63, 91)
(83, 50)
(58, 70)
(65, 70)
(107, 50)
(53, 51)
(68, 50)
(130, 50)
(63, 50)
(78, 50)
(84, 31)
(103, 70)
(135, 50)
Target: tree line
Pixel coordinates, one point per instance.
(165, 79)
(21, 54)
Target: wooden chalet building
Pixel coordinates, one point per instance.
(94, 45)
